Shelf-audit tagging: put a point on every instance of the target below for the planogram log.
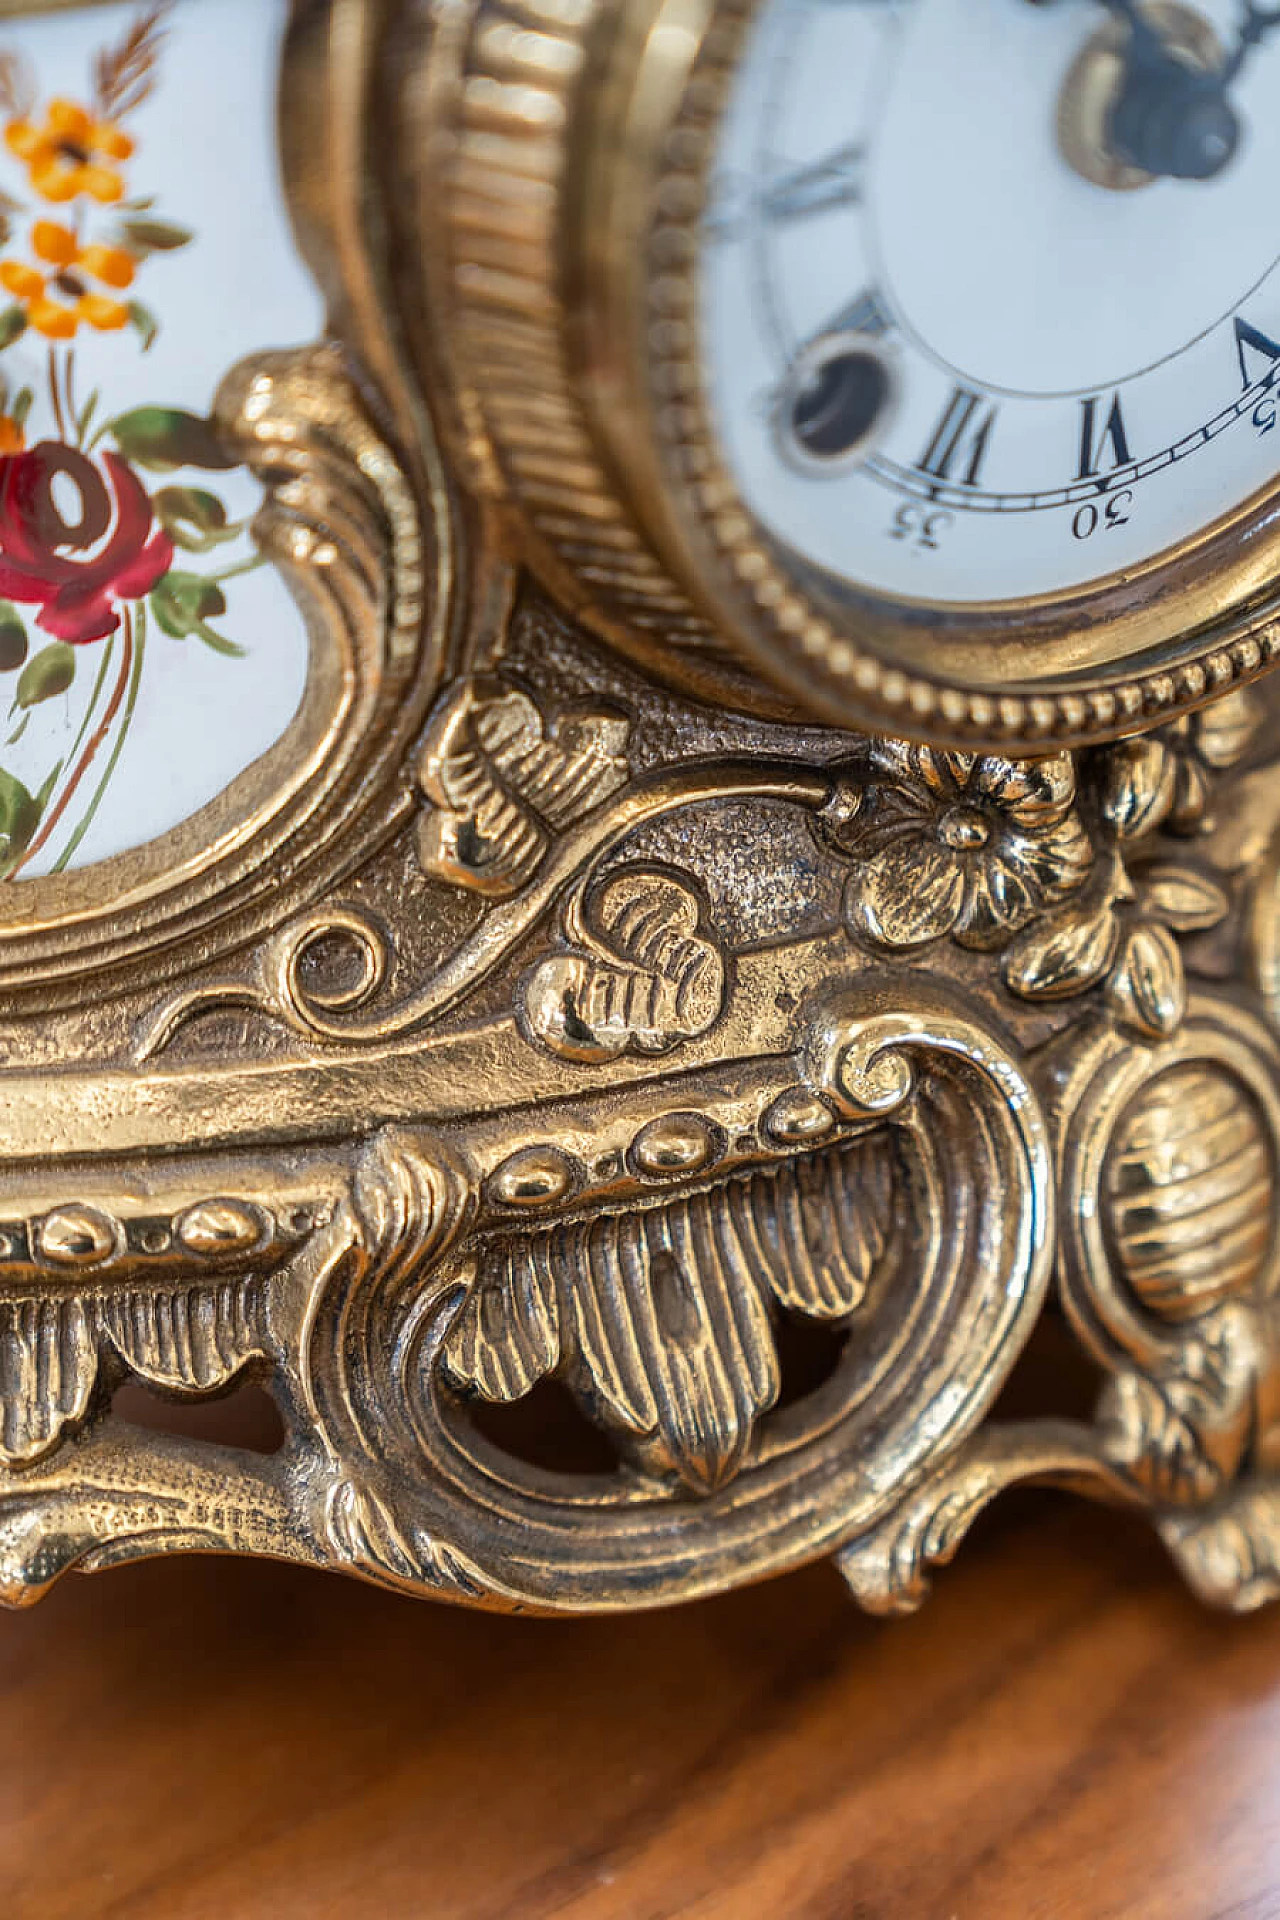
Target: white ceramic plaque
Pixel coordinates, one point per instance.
(148, 653)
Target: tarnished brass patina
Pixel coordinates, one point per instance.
(571, 997)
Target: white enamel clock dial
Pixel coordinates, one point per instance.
(942, 364)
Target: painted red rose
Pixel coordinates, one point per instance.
(77, 549)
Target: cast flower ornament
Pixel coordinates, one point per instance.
(994, 854)
(953, 844)
(1123, 932)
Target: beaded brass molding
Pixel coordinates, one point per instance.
(747, 1091)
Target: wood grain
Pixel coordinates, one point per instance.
(1061, 1733)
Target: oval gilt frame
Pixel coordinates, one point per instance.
(359, 523)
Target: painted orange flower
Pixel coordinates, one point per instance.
(62, 299)
(71, 153)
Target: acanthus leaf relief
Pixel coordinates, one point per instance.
(661, 1317)
(643, 972)
(500, 780)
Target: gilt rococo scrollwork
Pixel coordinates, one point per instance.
(752, 1089)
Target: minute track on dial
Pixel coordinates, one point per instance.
(971, 499)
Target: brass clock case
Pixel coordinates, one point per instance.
(633, 1144)
(574, 148)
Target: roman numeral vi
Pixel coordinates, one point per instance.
(1097, 440)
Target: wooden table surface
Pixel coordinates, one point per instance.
(1061, 1733)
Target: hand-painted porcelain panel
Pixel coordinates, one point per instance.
(148, 653)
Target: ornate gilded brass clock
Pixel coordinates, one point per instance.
(637, 840)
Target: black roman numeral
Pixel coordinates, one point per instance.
(1094, 441)
(1249, 340)
(960, 439)
(867, 314)
(835, 181)
(737, 201)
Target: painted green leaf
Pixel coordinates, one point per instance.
(48, 674)
(13, 324)
(19, 816)
(22, 407)
(13, 638)
(195, 519)
(51, 780)
(87, 412)
(218, 642)
(163, 438)
(181, 602)
(156, 236)
(185, 603)
(144, 324)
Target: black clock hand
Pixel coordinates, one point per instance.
(1144, 41)
(1258, 23)
(1171, 118)
(1174, 118)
